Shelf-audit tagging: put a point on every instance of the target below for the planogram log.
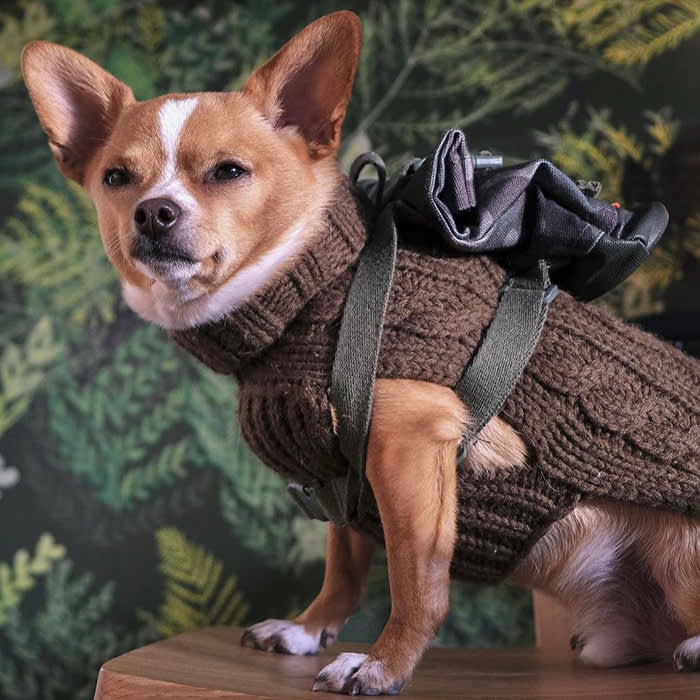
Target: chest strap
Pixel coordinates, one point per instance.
(484, 386)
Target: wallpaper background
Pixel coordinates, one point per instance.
(130, 509)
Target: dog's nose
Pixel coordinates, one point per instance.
(154, 217)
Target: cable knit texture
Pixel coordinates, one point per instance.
(606, 410)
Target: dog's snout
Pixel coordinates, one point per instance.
(154, 217)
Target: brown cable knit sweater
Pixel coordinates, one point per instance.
(605, 409)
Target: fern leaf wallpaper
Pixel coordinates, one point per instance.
(130, 507)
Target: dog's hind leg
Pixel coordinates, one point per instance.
(624, 619)
(597, 562)
(348, 558)
(672, 547)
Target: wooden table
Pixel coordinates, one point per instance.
(210, 665)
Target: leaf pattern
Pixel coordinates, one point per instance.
(196, 592)
(19, 577)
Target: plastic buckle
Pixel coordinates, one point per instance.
(305, 497)
(461, 452)
(551, 293)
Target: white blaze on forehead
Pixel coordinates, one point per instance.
(172, 117)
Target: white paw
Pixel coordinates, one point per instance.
(687, 655)
(356, 674)
(284, 637)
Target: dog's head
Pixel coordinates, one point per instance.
(202, 197)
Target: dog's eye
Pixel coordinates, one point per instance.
(116, 177)
(228, 171)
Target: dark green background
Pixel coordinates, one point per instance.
(129, 508)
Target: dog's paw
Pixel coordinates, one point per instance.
(284, 637)
(687, 655)
(357, 674)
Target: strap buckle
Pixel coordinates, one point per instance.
(307, 500)
(461, 452)
(550, 294)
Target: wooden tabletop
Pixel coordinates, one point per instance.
(209, 664)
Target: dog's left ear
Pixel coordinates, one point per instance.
(307, 83)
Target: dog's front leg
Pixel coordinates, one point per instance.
(348, 558)
(411, 466)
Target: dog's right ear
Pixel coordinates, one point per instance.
(77, 103)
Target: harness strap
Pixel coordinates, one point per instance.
(357, 356)
(484, 386)
(507, 346)
(355, 365)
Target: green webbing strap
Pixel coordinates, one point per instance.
(357, 355)
(486, 383)
(353, 377)
(355, 364)
(506, 347)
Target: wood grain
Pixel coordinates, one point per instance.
(210, 665)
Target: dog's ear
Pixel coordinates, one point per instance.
(77, 103)
(307, 83)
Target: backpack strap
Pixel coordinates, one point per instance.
(487, 381)
(506, 347)
(355, 365)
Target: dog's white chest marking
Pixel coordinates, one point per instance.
(173, 307)
(251, 278)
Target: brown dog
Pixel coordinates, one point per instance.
(206, 199)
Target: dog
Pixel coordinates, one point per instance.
(204, 200)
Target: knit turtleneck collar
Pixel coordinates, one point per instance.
(227, 345)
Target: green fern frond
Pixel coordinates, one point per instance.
(151, 23)
(584, 156)
(53, 249)
(198, 53)
(691, 237)
(18, 578)
(196, 591)
(54, 651)
(429, 66)
(24, 156)
(599, 150)
(119, 426)
(664, 30)
(596, 23)
(629, 33)
(23, 370)
(15, 32)
(624, 144)
(662, 129)
(487, 617)
(309, 542)
(138, 483)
